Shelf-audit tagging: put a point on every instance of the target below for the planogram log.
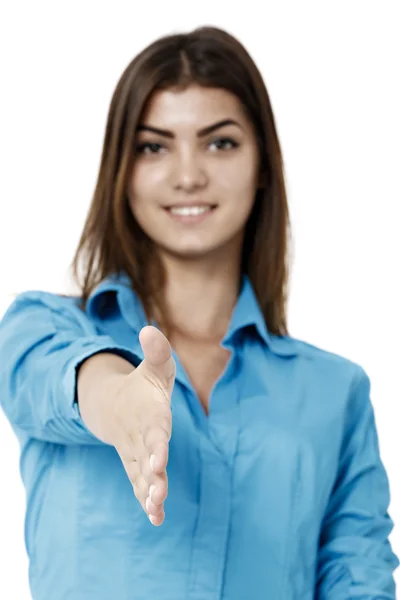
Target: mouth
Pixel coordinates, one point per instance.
(190, 214)
(191, 210)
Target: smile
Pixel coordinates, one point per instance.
(189, 210)
(190, 214)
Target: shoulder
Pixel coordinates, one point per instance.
(337, 383)
(318, 354)
(43, 300)
(38, 307)
(323, 363)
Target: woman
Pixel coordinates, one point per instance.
(177, 351)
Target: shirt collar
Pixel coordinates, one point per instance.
(115, 294)
(247, 313)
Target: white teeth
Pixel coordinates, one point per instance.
(189, 210)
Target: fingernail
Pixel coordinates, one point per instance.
(151, 519)
(147, 503)
(153, 462)
(151, 491)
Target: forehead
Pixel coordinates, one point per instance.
(194, 105)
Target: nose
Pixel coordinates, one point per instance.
(189, 173)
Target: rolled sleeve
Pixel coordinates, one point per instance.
(43, 341)
(356, 559)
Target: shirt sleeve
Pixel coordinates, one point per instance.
(355, 558)
(43, 340)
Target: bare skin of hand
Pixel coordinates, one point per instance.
(145, 423)
(137, 421)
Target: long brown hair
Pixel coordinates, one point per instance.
(112, 241)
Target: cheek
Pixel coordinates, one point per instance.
(238, 176)
(150, 172)
(243, 195)
(143, 212)
(143, 192)
(138, 207)
(146, 177)
(238, 187)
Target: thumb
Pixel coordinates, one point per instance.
(158, 364)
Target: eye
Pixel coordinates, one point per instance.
(149, 148)
(224, 143)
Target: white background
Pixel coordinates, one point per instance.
(332, 71)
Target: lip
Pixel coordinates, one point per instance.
(189, 204)
(190, 219)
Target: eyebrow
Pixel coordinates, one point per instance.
(200, 133)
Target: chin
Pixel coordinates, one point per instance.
(190, 251)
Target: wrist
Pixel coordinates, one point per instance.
(100, 379)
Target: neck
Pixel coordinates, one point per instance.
(201, 296)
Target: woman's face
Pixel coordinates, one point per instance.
(191, 160)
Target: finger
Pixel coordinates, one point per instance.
(158, 460)
(156, 426)
(156, 436)
(155, 502)
(138, 482)
(145, 493)
(152, 509)
(144, 464)
(154, 512)
(158, 364)
(157, 484)
(158, 490)
(157, 520)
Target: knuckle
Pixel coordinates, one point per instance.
(141, 492)
(149, 436)
(162, 494)
(166, 427)
(146, 470)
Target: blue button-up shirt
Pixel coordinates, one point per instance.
(279, 493)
